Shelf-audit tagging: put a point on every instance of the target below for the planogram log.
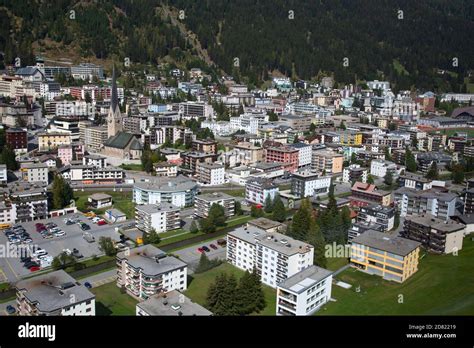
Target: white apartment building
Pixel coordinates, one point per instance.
(309, 184)
(35, 172)
(212, 174)
(91, 175)
(221, 128)
(305, 152)
(54, 294)
(275, 256)
(96, 161)
(305, 292)
(179, 191)
(379, 168)
(376, 84)
(28, 202)
(249, 123)
(354, 172)
(258, 189)
(159, 217)
(146, 271)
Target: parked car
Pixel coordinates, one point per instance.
(39, 252)
(101, 222)
(85, 227)
(213, 246)
(96, 219)
(205, 248)
(11, 309)
(222, 242)
(34, 268)
(76, 253)
(31, 264)
(70, 222)
(200, 250)
(88, 285)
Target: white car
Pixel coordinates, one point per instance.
(59, 233)
(96, 219)
(39, 252)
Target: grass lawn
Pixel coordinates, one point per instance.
(334, 263)
(121, 200)
(197, 287)
(136, 167)
(443, 285)
(110, 301)
(450, 132)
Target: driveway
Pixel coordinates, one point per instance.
(191, 255)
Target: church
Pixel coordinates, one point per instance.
(119, 144)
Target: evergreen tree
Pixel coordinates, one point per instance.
(238, 208)
(193, 228)
(256, 212)
(62, 193)
(222, 296)
(279, 211)
(8, 158)
(388, 178)
(207, 226)
(316, 239)
(370, 179)
(457, 173)
(301, 221)
(433, 172)
(268, 206)
(410, 161)
(217, 215)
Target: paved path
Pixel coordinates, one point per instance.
(342, 269)
(101, 278)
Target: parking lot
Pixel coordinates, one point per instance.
(12, 269)
(191, 255)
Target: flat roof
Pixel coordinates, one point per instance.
(167, 184)
(155, 208)
(99, 196)
(214, 196)
(53, 291)
(172, 303)
(151, 260)
(272, 240)
(382, 241)
(264, 223)
(433, 222)
(305, 279)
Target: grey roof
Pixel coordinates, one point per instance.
(435, 223)
(172, 303)
(413, 176)
(382, 241)
(151, 260)
(167, 184)
(265, 224)
(214, 196)
(99, 196)
(115, 212)
(305, 279)
(120, 140)
(272, 240)
(155, 208)
(48, 293)
(429, 194)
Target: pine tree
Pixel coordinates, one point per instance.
(193, 228)
(316, 239)
(268, 206)
(388, 178)
(410, 161)
(433, 172)
(301, 221)
(279, 211)
(217, 215)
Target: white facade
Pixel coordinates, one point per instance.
(35, 173)
(161, 218)
(3, 174)
(308, 184)
(380, 167)
(305, 292)
(305, 153)
(275, 256)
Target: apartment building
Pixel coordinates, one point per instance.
(17, 139)
(35, 172)
(212, 174)
(160, 217)
(207, 145)
(308, 184)
(360, 227)
(146, 271)
(192, 159)
(27, 201)
(54, 294)
(190, 110)
(365, 194)
(426, 159)
(437, 203)
(258, 189)
(171, 304)
(87, 175)
(96, 161)
(3, 174)
(378, 214)
(93, 137)
(415, 181)
(275, 256)
(179, 191)
(203, 203)
(246, 153)
(436, 235)
(305, 292)
(165, 169)
(51, 141)
(353, 173)
(392, 258)
(379, 168)
(305, 152)
(327, 161)
(283, 154)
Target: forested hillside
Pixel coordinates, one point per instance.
(302, 39)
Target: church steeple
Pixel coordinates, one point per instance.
(114, 117)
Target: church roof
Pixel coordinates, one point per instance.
(136, 145)
(120, 140)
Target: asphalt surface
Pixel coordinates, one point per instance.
(191, 255)
(11, 269)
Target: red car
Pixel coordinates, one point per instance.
(34, 269)
(200, 250)
(213, 246)
(101, 222)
